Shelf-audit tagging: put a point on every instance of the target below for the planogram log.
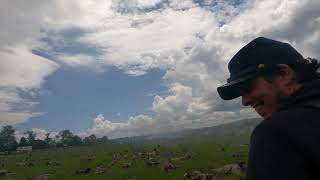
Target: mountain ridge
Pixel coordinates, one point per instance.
(235, 128)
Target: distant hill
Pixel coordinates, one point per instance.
(233, 129)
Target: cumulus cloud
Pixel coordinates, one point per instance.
(135, 126)
(202, 49)
(156, 39)
(20, 71)
(40, 133)
(19, 68)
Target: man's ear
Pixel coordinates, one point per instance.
(286, 73)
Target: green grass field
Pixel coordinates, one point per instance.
(206, 155)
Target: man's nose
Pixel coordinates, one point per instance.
(246, 100)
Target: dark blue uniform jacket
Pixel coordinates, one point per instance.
(286, 146)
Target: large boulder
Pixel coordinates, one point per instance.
(168, 167)
(235, 168)
(152, 162)
(4, 172)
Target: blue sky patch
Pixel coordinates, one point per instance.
(77, 96)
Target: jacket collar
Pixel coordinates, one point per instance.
(309, 91)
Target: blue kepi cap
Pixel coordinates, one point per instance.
(246, 63)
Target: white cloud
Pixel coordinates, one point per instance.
(174, 106)
(20, 70)
(40, 133)
(148, 3)
(82, 61)
(151, 40)
(195, 107)
(197, 70)
(138, 125)
(181, 4)
(132, 4)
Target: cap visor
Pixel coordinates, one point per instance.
(231, 90)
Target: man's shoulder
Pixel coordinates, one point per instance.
(294, 115)
(290, 122)
(276, 121)
(279, 122)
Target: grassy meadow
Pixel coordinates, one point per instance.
(203, 155)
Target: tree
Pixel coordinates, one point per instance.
(66, 136)
(49, 142)
(103, 140)
(47, 139)
(31, 136)
(76, 141)
(92, 139)
(39, 144)
(23, 141)
(7, 139)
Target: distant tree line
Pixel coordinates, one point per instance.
(63, 139)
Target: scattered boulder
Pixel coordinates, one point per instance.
(57, 163)
(168, 167)
(99, 170)
(20, 164)
(197, 175)
(232, 169)
(140, 154)
(236, 155)
(43, 177)
(83, 171)
(155, 151)
(151, 162)
(113, 162)
(182, 158)
(130, 178)
(126, 165)
(4, 172)
(89, 157)
(30, 164)
(116, 156)
(186, 157)
(53, 163)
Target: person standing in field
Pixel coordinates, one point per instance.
(284, 88)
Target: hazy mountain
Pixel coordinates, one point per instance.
(237, 128)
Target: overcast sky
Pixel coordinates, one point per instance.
(134, 67)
